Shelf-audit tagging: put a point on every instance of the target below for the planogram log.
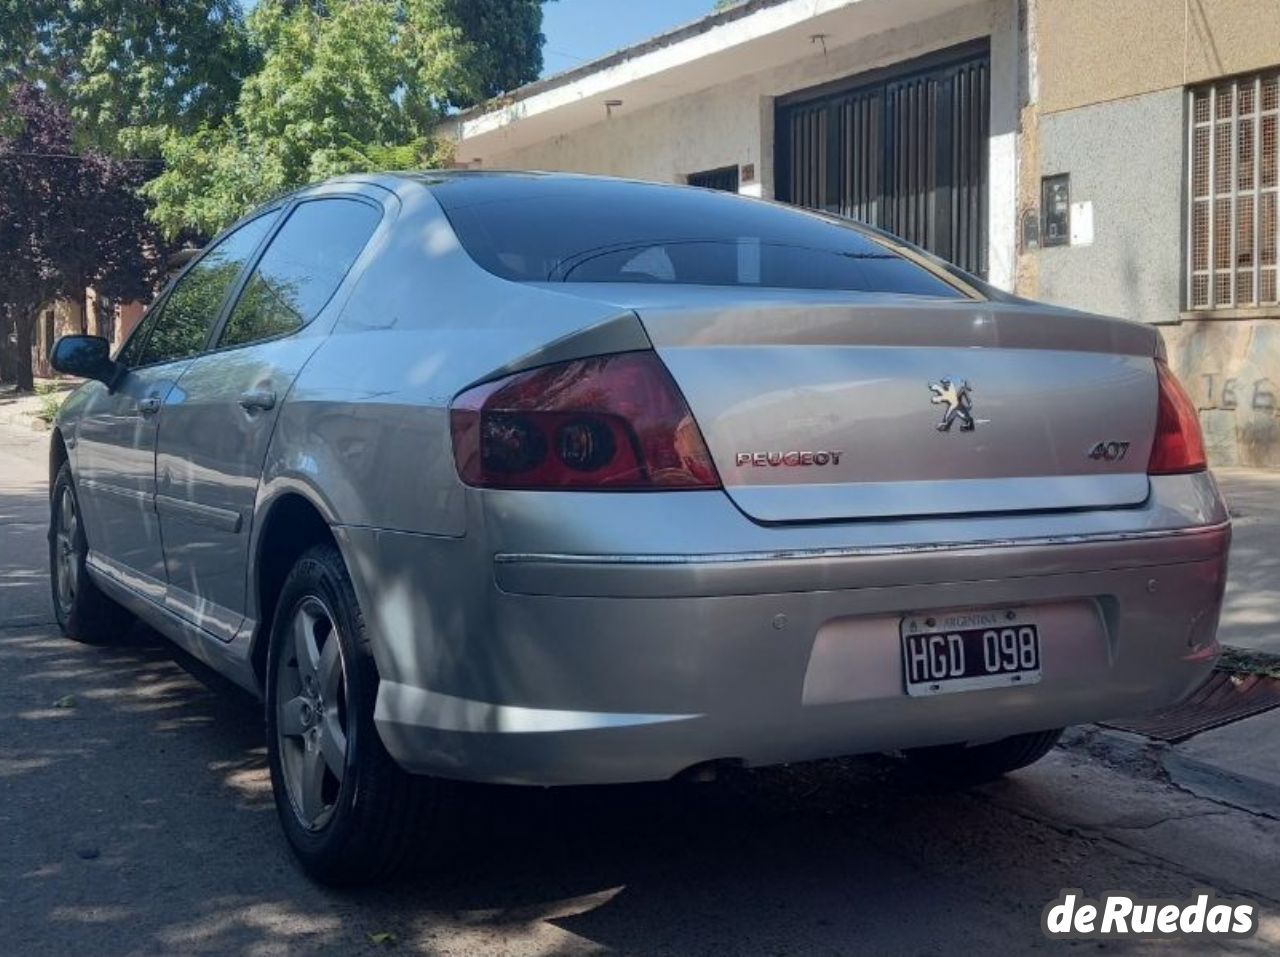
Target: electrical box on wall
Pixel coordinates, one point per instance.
(1055, 210)
(1031, 229)
(1082, 224)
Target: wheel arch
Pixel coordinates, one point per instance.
(292, 522)
(58, 454)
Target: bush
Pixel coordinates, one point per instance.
(50, 402)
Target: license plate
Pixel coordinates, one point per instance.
(968, 650)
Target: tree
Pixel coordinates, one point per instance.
(344, 86)
(126, 69)
(68, 219)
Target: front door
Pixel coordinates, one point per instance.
(115, 442)
(214, 435)
(115, 446)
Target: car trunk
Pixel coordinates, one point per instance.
(822, 410)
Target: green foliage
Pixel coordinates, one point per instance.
(127, 69)
(50, 403)
(267, 307)
(344, 86)
(68, 219)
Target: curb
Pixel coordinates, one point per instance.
(1121, 749)
(1135, 753)
(1208, 780)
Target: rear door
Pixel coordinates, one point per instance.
(116, 436)
(212, 443)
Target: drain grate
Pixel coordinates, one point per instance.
(1225, 697)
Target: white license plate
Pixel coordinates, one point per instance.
(967, 650)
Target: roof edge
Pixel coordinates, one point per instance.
(565, 77)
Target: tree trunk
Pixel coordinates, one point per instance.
(24, 375)
(8, 362)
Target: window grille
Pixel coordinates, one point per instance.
(1233, 171)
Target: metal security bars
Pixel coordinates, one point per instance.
(1233, 179)
(905, 150)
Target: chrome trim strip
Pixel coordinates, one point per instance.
(411, 706)
(223, 519)
(868, 551)
(119, 491)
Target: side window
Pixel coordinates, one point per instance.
(183, 325)
(132, 349)
(301, 269)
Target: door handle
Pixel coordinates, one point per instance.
(258, 400)
(150, 405)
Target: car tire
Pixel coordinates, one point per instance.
(350, 813)
(84, 613)
(973, 764)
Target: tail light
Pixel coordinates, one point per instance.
(611, 423)
(1179, 445)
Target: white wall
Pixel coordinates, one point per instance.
(732, 124)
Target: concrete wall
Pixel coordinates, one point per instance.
(707, 130)
(1232, 370)
(732, 124)
(1092, 51)
(1126, 158)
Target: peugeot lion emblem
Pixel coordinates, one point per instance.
(954, 394)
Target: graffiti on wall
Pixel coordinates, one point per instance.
(1223, 392)
(1232, 370)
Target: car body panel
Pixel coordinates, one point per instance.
(683, 657)
(209, 460)
(115, 447)
(215, 432)
(426, 322)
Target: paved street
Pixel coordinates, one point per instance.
(135, 818)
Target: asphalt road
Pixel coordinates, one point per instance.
(135, 818)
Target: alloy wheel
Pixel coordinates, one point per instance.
(66, 567)
(312, 714)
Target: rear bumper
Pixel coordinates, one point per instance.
(567, 667)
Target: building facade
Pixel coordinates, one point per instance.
(92, 315)
(1118, 156)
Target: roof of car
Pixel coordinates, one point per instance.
(456, 188)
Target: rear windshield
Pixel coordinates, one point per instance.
(542, 229)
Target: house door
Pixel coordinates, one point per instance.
(905, 150)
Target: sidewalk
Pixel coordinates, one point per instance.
(1251, 617)
(24, 521)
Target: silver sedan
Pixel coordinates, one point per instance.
(551, 480)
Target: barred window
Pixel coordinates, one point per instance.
(1234, 179)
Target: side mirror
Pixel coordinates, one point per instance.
(86, 356)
